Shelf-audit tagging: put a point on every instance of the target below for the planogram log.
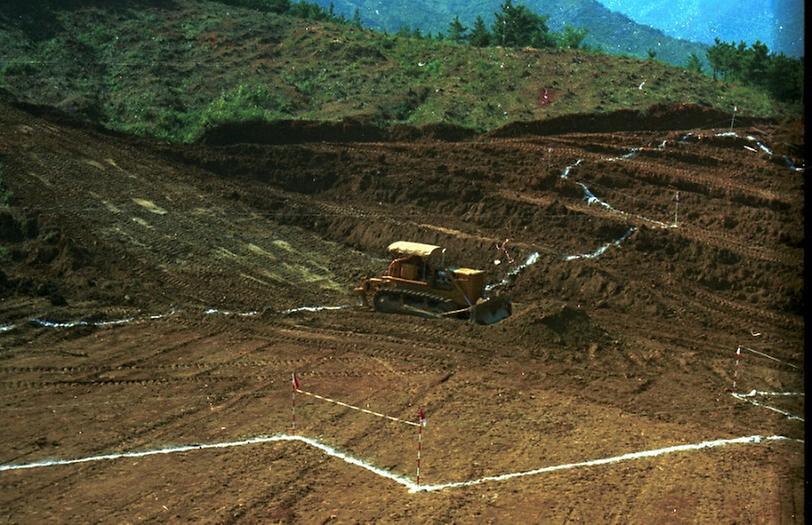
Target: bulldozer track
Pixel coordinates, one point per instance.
(725, 186)
(784, 256)
(745, 314)
(424, 296)
(356, 347)
(173, 366)
(780, 255)
(783, 320)
(27, 385)
(434, 334)
(665, 175)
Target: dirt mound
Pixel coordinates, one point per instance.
(290, 132)
(345, 131)
(431, 132)
(43, 261)
(659, 117)
(569, 326)
(553, 324)
(76, 112)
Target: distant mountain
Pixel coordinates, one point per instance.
(777, 23)
(612, 31)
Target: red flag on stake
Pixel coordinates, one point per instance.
(421, 417)
(295, 382)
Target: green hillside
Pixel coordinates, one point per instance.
(168, 70)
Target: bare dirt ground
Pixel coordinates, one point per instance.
(608, 352)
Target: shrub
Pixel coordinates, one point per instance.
(246, 103)
(5, 193)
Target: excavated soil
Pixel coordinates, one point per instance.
(172, 269)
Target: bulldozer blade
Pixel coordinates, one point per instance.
(491, 310)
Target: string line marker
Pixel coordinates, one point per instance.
(364, 410)
(748, 398)
(762, 354)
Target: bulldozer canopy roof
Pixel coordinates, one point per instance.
(467, 271)
(413, 248)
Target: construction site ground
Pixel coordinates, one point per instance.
(199, 258)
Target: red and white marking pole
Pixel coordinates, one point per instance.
(736, 370)
(676, 209)
(295, 384)
(421, 419)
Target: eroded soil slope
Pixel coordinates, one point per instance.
(623, 336)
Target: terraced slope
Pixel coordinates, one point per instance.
(149, 295)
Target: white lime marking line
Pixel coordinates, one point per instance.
(606, 461)
(601, 249)
(313, 309)
(401, 480)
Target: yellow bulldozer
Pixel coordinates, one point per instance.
(418, 282)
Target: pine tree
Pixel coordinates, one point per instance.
(479, 36)
(456, 31)
(356, 19)
(786, 78)
(738, 62)
(694, 64)
(571, 37)
(714, 54)
(517, 26)
(758, 64)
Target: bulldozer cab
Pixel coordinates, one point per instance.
(420, 262)
(410, 267)
(414, 261)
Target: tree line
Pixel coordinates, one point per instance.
(778, 74)
(300, 9)
(514, 25)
